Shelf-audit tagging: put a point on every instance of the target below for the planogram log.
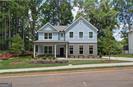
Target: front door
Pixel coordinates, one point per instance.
(62, 52)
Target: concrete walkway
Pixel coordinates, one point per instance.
(119, 58)
(67, 67)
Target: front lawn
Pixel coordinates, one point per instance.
(25, 62)
(124, 55)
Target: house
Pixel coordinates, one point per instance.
(130, 41)
(79, 39)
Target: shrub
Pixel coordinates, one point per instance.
(17, 45)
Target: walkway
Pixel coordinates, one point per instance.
(119, 58)
(67, 67)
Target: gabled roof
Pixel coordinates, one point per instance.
(47, 24)
(64, 28)
(81, 18)
(60, 28)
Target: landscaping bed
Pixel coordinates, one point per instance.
(29, 62)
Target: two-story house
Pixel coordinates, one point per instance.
(79, 39)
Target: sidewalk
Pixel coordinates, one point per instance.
(67, 67)
(119, 58)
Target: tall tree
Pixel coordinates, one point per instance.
(56, 12)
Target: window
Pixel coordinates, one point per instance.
(80, 34)
(81, 49)
(48, 35)
(48, 49)
(90, 49)
(71, 49)
(90, 34)
(61, 35)
(71, 34)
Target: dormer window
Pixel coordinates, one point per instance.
(47, 35)
(61, 35)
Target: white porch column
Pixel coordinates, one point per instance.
(55, 50)
(66, 50)
(34, 51)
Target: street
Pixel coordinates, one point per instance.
(118, 77)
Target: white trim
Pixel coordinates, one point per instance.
(46, 25)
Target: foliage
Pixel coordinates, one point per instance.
(17, 44)
(56, 12)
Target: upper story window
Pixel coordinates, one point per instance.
(91, 49)
(71, 49)
(48, 35)
(71, 34)
(81, 49)
(90, 34)
(80, 34)
(61, 34)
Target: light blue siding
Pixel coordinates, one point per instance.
(81, 27)
(40, 36)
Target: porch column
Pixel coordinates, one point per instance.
(34, 51)
(66, 50)
(55, 50)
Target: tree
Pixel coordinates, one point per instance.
(56, 12)
(17, 44)
(107, 42)
(16, 19)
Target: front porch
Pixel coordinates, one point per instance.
(55, 48)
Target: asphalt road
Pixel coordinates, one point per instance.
(120, 77)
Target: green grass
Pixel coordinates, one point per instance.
(124, 55)
(24, 62)
(78, 62)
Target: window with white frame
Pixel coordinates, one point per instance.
(61, 34)
(90, 34)
(91, 49)
(47, 35)
(71, 49)
(81, 49)
(80, 34)
(71, 34)
(48, 49)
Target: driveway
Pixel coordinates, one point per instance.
(119, 77)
